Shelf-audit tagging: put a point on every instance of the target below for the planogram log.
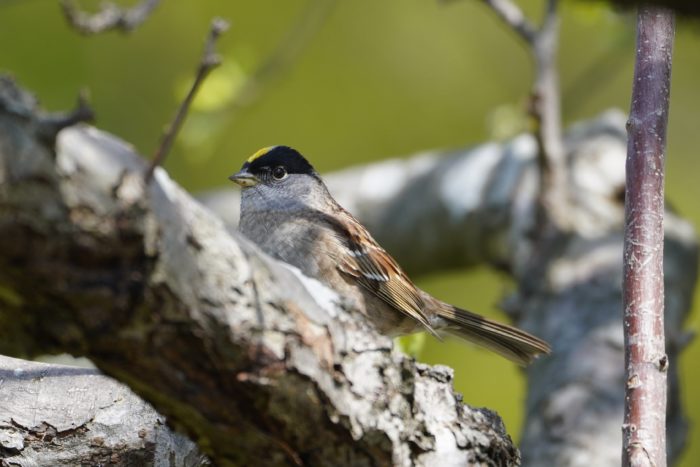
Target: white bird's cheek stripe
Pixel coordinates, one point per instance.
(376, 277)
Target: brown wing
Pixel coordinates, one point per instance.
(376, 271)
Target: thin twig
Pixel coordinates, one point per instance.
(646, 362)
(545, 109)
(210, 60)
(49, 125)
(108, 18)
(513, 16)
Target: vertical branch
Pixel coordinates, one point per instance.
(646, 363)
(545, 108)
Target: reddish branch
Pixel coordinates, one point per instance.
(681, 7)
(646, 362)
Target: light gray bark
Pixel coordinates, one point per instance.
(65, 416)
(459, 208)
(259, 365)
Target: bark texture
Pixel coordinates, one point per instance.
(689, 8)
(646, 361)
(459, 208)
(54, 415)
(257, 364)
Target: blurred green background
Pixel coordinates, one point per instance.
(364, 80)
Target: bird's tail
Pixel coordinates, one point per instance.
(507, 341)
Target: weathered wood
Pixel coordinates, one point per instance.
(460, 208)
(57, 415)
(259, 365)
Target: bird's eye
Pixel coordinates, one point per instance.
(278, 173)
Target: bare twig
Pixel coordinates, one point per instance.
(108, 18)
(514, 17)
(545, 109)
(646, 362)
(210, 60)
(51, 124)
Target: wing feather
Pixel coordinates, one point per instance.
(375, 270)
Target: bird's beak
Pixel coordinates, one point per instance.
(244, 179)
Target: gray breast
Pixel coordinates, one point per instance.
(288, 237)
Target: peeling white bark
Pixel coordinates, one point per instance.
(569, 291)
(65, 416)
(256, 365)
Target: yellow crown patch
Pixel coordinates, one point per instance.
(260, 152)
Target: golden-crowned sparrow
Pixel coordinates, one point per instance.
(288, 212)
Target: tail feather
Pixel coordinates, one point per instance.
(507, 341)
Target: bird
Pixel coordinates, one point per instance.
(287, 210)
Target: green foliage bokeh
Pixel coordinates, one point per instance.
(378, 79)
